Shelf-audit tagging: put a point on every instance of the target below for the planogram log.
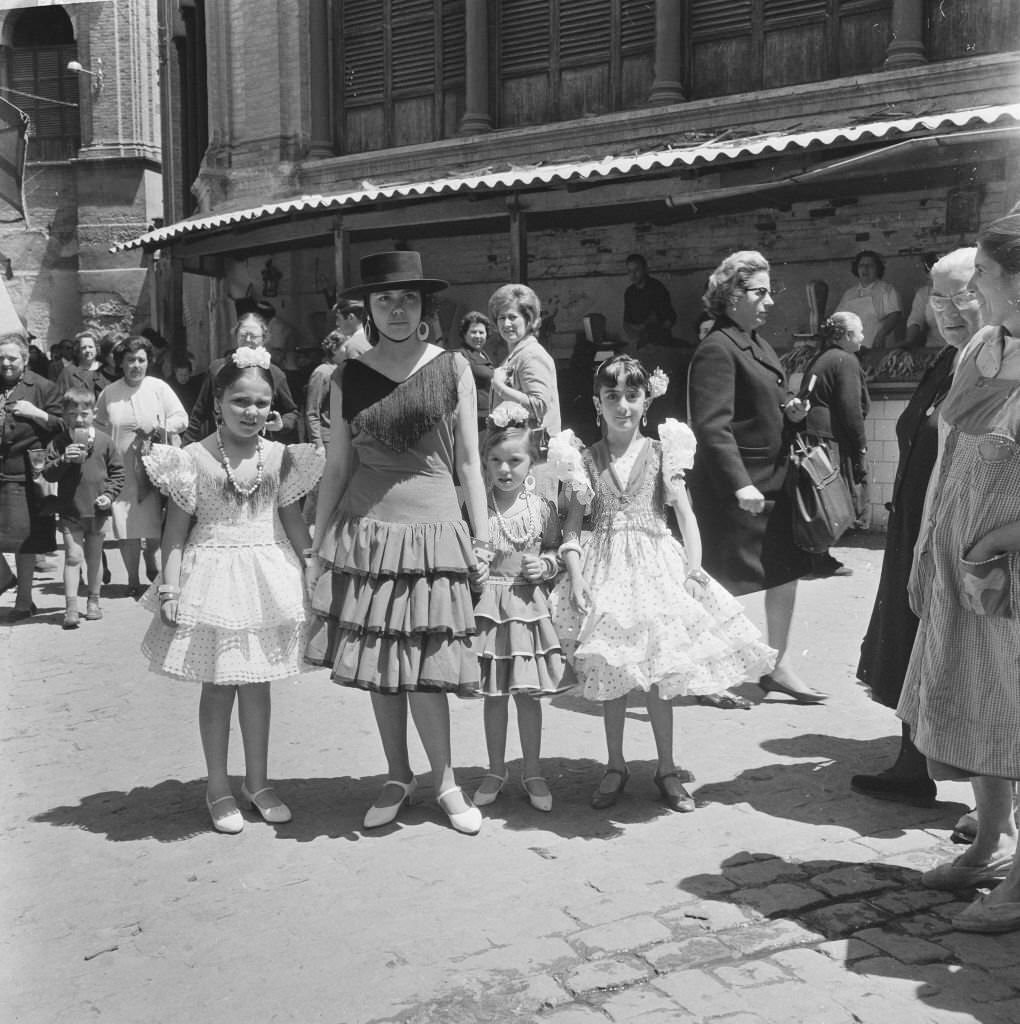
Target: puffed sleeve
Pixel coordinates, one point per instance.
(302, 467)
(173, 471)
(565, 460)
(678, 447)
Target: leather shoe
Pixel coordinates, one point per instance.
(955, 875)
(601, 799)
(540, 801)
(20, 614)
(989, 918)
(275, 814)
(769, 684)
(376, 816)
(677, 799)
(486, 794)
(900, 789)
(228, 818)
(468, 821)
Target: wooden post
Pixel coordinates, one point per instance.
(518, 242)
(341, 255)
(906, 50)
(477, 118)
(669, 48)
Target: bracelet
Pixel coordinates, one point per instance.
(307, 551)
(168, 594)
(552, 566)
(699, 576)
(167, 588)
(570, 545)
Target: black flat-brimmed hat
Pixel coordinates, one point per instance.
(249, 304)
(385, 270)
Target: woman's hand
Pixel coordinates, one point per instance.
(168, 611)
(533, 569)
(580, 594)
(981, 551)
(796, 409)
(27, 411)
(478, 574)
(750, 499)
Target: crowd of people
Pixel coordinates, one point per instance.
(439, 533)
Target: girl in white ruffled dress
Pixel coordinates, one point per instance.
(635, 610)
(229, 611)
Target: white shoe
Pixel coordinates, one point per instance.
(541, 802)
(230, 819)
(277, 814)
(484, 797)
(468, 821)
(376, 816)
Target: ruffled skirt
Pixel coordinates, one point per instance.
(645, 630)
(240, 616)
(393, 613)
(517, 647)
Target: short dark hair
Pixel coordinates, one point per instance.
(472, 318)
(351, 307)
(134, 344)
(77, 396)
(879, 262)
(621, 369)
(636, 257)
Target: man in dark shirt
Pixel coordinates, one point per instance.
(648, 313)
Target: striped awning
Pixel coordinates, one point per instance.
(704, 152)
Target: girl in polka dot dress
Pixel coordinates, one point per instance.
(229, 611)
(635, 610)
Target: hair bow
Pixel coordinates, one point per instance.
(509, 414)
(247, 357)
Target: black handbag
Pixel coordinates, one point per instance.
(823, 509)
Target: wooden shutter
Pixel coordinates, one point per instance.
(361, 41)
(525, 34)
(584, 33)
(412, 45)
(719, 16)
(800, 10)
(637, 25)
(454, 41)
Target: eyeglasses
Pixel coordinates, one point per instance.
(762, 292)
(965, 298)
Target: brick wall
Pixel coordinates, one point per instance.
(883, 452)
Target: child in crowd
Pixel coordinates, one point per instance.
(518, 647)
(87, 468)
(636, 611)
(230, 609)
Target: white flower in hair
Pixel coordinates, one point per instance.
(565, 461)
(678, 447)
(508, 414)
(658, 382)
(247, 357)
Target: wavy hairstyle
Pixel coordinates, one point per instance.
(730, 277)
(1001, 240)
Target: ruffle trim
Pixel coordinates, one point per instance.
(371, 547)
(302, 468)
(173, 472)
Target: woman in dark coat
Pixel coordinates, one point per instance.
(740, 411)
(886, 649)
(86, 371)
(29, 416)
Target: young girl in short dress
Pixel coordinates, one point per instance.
(636, 611)
(519, 651)
(229, 612)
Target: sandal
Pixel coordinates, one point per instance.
(725, 701)
(486, 793)
(601, 800)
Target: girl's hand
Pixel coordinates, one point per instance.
(533, 569)
(168, 611)
(580, 594)
(274, 422)
(750, 499)
(478, 575)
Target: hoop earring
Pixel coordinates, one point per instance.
(644, 419)
(423, 331)
(529, 483)
(598, 417)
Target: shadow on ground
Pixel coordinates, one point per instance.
(878, 921)
(817, 791)
(333, 808)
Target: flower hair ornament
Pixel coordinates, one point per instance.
(509, 414)
(564, 459)
(244, 358)
(678, 447)
(658, 382)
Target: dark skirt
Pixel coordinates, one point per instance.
(24, 530)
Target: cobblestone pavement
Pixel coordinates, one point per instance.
(783, 898)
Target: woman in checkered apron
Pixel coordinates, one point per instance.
(961, 696)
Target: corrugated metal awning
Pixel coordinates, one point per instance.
(612, 166)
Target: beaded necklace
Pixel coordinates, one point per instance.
(244, 492)
(526, 529)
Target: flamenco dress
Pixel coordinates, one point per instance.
(518, 649)
(394, 612)
(643, 628)
(241, 615)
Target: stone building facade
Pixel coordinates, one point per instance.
(544, 141)
(92, 177)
